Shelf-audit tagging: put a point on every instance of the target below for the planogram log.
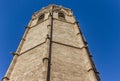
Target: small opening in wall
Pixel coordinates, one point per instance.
(61, 15)
(41, 18)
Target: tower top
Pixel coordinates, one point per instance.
(53, 7)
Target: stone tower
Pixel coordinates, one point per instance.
(52, 49)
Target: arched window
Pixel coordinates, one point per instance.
(41, 18)
(61, 15)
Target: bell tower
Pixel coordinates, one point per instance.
(52, 49)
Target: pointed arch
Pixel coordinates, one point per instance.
(41, 18)
(61, 15)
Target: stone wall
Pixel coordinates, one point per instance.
(65, 50)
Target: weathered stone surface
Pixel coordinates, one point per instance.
(29, 65)
(53, 44)
(65, 33)
(68, 64)
(35, 36)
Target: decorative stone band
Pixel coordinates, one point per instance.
(63, 20)
(32, 47)
(85, 46)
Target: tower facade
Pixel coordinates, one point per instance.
(52, 49)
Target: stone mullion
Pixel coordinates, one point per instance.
(46, 56)
(45, 62)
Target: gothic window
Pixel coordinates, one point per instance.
(41, 18)
(61, 15)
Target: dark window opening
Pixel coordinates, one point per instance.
(41, 18)
(61, 16)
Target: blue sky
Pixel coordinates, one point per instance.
(99, 21)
